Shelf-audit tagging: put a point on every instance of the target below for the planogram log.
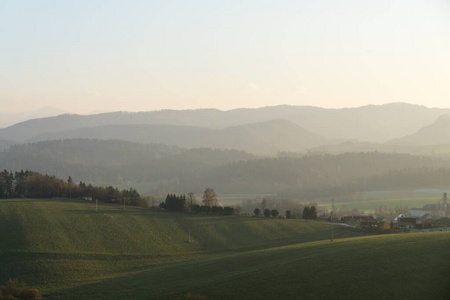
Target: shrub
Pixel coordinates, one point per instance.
(14, 289)
(205, 209)
(196, 208)
(288, 214)
(267, 213)
(257, 212)
(228, 211)
(217, 210)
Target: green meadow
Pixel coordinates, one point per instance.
(368, 202)
(68, 250)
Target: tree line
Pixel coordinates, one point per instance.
(181, 203)
(29, 184)
(164, 169)
(309, 212)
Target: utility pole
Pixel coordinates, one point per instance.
(331, 220)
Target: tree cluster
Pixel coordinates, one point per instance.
(174, 203)
(268, 213)
(309, 212)
(180, 203)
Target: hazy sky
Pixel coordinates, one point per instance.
(83, 56)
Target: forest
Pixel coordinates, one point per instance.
(161, 169)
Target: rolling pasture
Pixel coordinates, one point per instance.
(368, 202)
(69, 251)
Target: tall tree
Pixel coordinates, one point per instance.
(70, 182)
(288, 214)
(210, 198)
(191, 198)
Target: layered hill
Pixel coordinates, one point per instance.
(159, 169)
(437, 133)
(264, 138)
(369, 123)
(113, 162)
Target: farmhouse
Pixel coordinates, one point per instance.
(442, 222)
(406, 223)
(360, 221)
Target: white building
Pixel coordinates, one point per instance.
(420, 212)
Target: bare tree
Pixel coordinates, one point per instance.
(210, 198)
(191, 198)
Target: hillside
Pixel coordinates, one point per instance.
(69, 251)
(437, 133)
(442, 150)
(4, 144)
(368, 123)
(264, 138)
(56, 244)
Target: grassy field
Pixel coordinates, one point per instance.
(69, 251)
(369, 201)
(55, 244)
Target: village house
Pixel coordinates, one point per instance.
(360, 221)
(405, 223)
(442, 222)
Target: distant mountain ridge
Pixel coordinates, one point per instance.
(373, 123)
(14, 118)
(437, 133)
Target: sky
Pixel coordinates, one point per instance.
(88, 56)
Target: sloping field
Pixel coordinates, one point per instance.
(57, 245)
(69, 251)
(408, 266)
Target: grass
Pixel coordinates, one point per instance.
(55, 244)
(384, 267)
(368, 202)
(69, 251)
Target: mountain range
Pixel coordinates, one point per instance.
(8, 119)
(264, 131)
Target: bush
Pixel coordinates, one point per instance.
(267, 213)
(217, 210)
(14, 289)
(274, 213)
(257, 212)
(228, 211)
(205, 209)
(196, 208)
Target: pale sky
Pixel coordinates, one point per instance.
(82, 56)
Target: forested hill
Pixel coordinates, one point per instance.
(317, 175)
(115, 162)
(263, 138)
(5, 144)
(373, 123)
(162, 169)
